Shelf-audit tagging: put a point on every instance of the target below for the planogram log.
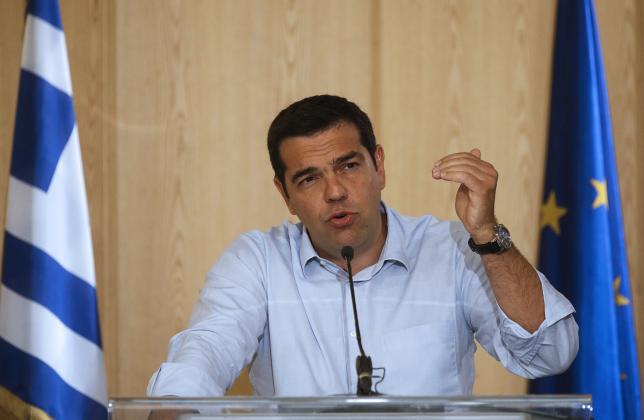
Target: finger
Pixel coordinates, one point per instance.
(436, 173)
(474, 180)
(466, 178)
(473, 164)
(481, 169)
(455, 156)
(486, 182)
(476, 152)
(464, 155)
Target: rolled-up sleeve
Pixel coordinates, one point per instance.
(551, 348)
(547, 351)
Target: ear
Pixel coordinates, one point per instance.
(380, 165)
(282, 192)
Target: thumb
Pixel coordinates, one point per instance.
(476, 152)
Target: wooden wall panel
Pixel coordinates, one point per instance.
(174, 98)
(11, 33)
(89, 27)
(203, 81)
(454, 78)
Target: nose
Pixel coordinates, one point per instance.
(335, 190)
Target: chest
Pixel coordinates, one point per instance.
(407, 318)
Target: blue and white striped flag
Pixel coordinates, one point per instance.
(51, 357)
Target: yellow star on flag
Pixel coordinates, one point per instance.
(551, 213)
(602, 196)
(620, 300)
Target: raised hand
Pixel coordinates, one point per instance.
(475, 197)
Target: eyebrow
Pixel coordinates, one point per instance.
(335, 162)
(344, 158)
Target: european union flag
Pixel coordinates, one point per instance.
(582, 237)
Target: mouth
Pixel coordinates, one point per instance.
(341, 219)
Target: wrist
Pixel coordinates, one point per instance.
(483, 234)
(500, 242)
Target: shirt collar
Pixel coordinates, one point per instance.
(307, 252)
(393, 250)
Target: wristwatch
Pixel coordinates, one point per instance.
(497, 245)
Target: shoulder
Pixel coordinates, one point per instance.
(255, 247)
(277, 237)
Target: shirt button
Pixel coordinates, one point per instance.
(352, 333)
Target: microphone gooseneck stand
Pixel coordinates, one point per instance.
(364, 366)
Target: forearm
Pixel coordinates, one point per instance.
(183, 380)
(517, 288)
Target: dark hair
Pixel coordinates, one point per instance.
(313, 115)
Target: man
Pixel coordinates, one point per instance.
(425, 289)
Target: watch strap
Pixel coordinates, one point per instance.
(499, 243)
(487, 248)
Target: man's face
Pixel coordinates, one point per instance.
(334, 189)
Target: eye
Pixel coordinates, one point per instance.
(351, 166)
(307, 181)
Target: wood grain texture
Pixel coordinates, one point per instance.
(173, 100)
(4, 414)
(89, 28)
(460, 75)
(11, 33)
(191, 152)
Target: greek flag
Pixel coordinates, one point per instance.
(51, 358)
(583, 251)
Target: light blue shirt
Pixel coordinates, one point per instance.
(271, 301)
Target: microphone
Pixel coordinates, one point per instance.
(364, 366)
(347, 253)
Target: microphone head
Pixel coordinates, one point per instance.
(347, 252)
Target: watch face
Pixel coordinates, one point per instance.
(503, 236)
